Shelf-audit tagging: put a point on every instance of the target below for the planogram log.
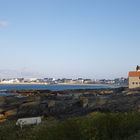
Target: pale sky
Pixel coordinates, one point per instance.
(70, 38)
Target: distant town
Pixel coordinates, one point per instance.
(118, 81)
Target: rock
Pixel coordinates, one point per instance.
(101, 101)
(2, 100)
(84, 102)
(70, 103)
(10, 113)
(2, 116)
(51, 104)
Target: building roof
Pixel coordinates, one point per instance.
(134, 74)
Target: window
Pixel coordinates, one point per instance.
(136, 82)
(133, 83)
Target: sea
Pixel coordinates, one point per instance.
(53, 87)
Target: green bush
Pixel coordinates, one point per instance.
(95, 126)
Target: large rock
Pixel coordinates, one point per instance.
(10, 113)
(84, 102)
(2, 100)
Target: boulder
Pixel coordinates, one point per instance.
(84, 102)
(10, 113)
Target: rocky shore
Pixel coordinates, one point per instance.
(69, 103)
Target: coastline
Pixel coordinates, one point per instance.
(86, 84)
(35, 83)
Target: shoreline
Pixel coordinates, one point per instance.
(34, 83)
(86, 84)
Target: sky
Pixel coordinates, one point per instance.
(69, 38)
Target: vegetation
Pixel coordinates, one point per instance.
(95, 126)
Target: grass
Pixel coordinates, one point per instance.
(95, 126)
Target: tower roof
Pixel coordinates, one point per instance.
(134, 74)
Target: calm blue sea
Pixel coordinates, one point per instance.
(54, 87)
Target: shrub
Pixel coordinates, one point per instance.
(95, 126)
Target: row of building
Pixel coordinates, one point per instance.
(117, 81)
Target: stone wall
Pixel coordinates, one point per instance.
(134, 82)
